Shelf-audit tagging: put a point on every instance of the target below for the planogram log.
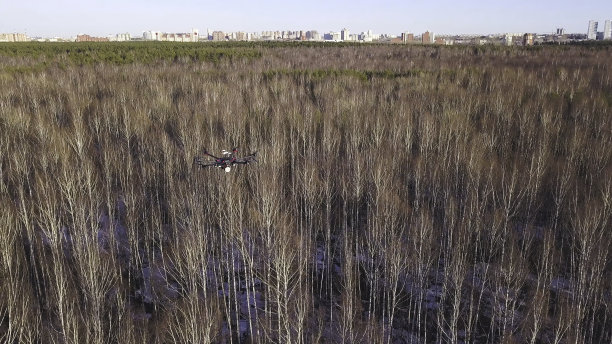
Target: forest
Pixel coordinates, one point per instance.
(402, 193)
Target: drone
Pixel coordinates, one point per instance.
(225, 162)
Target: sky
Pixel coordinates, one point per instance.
(67, 18)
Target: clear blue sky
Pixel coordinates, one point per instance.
(67, 18)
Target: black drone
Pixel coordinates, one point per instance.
(226, 161)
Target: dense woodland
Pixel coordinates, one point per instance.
(403, 194)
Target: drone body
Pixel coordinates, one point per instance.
(226, 161)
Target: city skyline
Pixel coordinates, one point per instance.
(66, 18)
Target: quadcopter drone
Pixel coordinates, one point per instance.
(226, 161)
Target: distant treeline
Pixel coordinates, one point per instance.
(88, 53)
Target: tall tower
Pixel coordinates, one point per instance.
(607, 33)
(592, 32)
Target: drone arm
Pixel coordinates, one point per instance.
(202, 163)
(246, 159)
(210, 155)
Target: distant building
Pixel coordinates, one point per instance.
(332, 36)
(592, 31)
(607, 32)
(88, 38)
(528, 39)
(13, 37)
(123, 37)
(313, 35)
(345, 35)
(218, 36)
(407, 37)
(427, 37)
(150, 35)
(560, 31)
(267, 35)
(366, 36)
(171, 37)
(511, 39)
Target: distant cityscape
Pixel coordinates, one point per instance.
(344, 35)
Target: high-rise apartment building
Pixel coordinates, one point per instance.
(607, 33)
(592, 31)
(407, 37)
(218, 36)
(13, 37)
(88, 38)
(427, 37)
(241, 36)
(122, 37)
(313, 35)
(171, 37)
(344, 35)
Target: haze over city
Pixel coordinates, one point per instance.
(70, 17)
